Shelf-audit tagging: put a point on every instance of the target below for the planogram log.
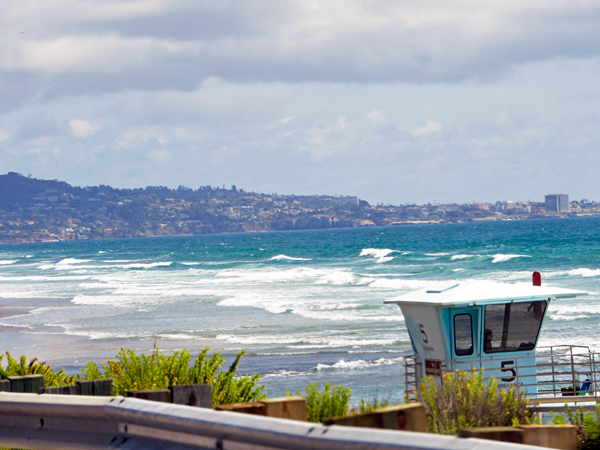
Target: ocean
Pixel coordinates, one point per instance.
(307, 306)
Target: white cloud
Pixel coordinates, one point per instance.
(161, 155)
(377, 118)
(293, 40)
(83, 128)
(430, 127)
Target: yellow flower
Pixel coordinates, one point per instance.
(503, 392)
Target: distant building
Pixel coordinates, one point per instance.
(347, 200)
(557, 202)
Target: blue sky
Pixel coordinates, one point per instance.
(393, 101)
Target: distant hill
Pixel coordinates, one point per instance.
(51, 210)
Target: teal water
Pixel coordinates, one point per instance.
(307, 306)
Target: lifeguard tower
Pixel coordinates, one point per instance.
(495, 326)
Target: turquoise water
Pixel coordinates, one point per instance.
(307, 306)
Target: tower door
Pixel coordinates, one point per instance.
(465, 342)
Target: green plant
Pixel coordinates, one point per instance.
(374, 405)
(588, 426)
(327, 404)
(464, 400)
(133, 372)
(21, 367)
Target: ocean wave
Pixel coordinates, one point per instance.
(502, 258)
(69, 261)
(358, 364)
(78, 266)
(6, 262)
(288, 258)
(303, 341)
(283, 374)
(459, 257)
(337, 279)
(379, 254)
(583, 272)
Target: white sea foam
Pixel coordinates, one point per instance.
(459, 257)
(359, 364)
(6, 262)
(337, 278)
(69, 261)
(287, 258)
(583, 272)
(376, 252)
(502, 258)
(436, 254)
(380, 254)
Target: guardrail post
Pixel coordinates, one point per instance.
(61, 390)
(405, 417)
(155, 395)
(101, 387)
(282, 407)
(199, 395)
(28, 384)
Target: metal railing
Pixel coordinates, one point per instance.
(555, 371)
(77, 422)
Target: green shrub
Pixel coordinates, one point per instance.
(326, 404)
(588, 426)
(21, 367)
(374, 405)
(464, 400)
(133, 372)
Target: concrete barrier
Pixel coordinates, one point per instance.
(27, 384)
(199, 395)
(549, 436)
(293, 408)
(155, 395)
(404, 417)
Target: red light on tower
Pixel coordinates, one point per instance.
(537, 278)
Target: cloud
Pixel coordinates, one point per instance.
(82, 128)
(430, 127)
(160, 44)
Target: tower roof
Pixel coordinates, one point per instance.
(467, 293)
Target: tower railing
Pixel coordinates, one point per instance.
(554, 371)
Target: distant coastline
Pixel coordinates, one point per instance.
(33, 210)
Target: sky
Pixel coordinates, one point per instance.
(394, 101)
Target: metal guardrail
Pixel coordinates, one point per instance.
(73, 422)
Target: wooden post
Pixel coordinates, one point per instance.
(62, 390)
(29, 383)
(409, 417)
(199, 395)
(155, 395)
(101, 387)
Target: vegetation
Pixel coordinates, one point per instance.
(133, 372)
(463, 400)
(326, 404)
(588, 426)
(21, 367)
(370, 406)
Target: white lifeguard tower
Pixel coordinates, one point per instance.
(493, 326)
